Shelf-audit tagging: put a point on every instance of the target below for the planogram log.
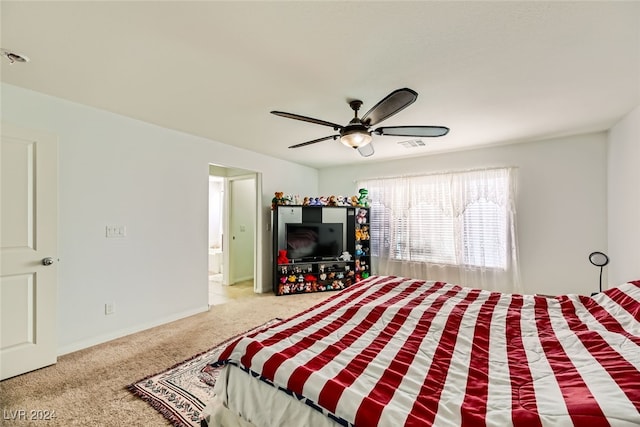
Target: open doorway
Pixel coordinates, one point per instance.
(233, 223)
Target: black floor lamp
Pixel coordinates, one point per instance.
(599, 259)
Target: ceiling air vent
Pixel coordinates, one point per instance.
(413, 143)
(13, 56)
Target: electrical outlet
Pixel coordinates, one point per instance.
(109, 308)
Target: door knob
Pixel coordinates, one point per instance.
(47, 261)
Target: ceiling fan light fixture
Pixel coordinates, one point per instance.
(358, 133)
(356, 137)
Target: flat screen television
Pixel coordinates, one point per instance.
(314, 240)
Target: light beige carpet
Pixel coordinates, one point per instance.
(88, 387)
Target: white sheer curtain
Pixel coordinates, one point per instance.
(456, 227)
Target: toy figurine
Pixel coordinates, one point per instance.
(282, 257)
(361, 217)
(363, 200)
(364, 233)
(277, 199)
(346, 256)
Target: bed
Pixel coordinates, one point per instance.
(391, 351)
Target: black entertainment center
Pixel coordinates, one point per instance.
(315, 247)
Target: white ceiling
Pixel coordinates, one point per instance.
(494, 72)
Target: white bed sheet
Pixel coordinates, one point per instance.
(255, 403)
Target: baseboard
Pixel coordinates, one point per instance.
(81, 345)
(243, 279)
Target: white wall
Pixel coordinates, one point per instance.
(624, 200)
(119, 171)
(561, 202)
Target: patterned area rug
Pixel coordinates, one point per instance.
(180, 393)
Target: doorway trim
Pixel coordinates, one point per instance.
(229, 173)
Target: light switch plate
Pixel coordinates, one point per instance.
(109, 308)
(115, 231)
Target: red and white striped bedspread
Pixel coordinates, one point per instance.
(393, 351)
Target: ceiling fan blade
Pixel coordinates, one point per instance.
(418, 131)
(393, 103)
(366, 150)
(307, 119)
(302, 144)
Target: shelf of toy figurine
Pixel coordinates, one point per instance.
(308, 266)
(315, 271)
(362, 248)
(310, 272)
(290, 288)
(326, 206)
(317, 260)
(362, 265)
(362, 234)
(327, 275)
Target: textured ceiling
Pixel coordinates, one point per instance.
(493, 72)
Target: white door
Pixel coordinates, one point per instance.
(242, 221)
(28, 241)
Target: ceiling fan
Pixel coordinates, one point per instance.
(358, 133)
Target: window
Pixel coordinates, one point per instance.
(463, 220)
